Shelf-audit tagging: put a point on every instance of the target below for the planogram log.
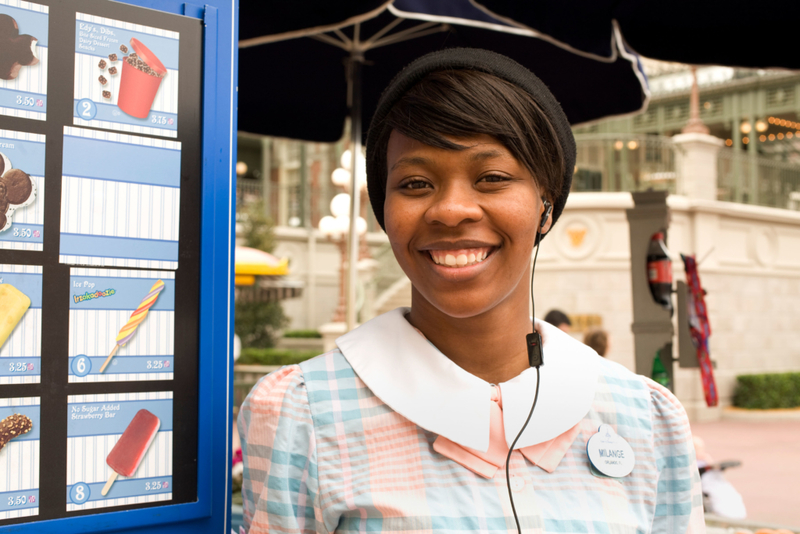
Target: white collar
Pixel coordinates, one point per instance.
(420, 383)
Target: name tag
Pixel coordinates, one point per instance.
(609, 454)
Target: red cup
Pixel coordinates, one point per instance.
(137, 90)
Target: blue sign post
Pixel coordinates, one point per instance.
(123, 357)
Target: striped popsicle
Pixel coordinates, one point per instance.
(136, 318)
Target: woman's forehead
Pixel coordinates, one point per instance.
(403, 150)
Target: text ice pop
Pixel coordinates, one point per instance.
(138, 315)
(128, 452)
(13, 305)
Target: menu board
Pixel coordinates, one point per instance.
(100, 199)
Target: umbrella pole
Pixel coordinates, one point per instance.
(354, 81)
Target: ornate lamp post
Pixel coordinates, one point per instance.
(335, 228)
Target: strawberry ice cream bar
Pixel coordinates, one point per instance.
(129, 451)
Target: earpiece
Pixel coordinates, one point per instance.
(548, 208)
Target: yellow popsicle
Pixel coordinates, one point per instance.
(13, 305)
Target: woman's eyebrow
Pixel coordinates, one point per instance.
(486, 154)
(409, 161)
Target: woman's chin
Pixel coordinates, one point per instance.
(456, 307)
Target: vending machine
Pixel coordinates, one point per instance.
(117, 217)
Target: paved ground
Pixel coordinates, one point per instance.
(769, 478)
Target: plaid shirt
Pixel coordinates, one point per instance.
(323, 454)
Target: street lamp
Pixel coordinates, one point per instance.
(335, 229)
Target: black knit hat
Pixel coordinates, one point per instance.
(472, 59)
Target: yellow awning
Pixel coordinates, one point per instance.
(251, 262)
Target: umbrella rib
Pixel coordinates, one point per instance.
(369, 42)
(412, 33)
(331, 41)
(343, 37)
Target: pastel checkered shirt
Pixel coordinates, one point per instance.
(323, 453)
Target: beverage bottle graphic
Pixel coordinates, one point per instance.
(659, 271)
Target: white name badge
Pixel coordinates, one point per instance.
(609, 453)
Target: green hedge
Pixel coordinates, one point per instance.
(767, 391)
(304, 334)
(273, 356)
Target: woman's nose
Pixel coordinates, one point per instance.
(453, 205)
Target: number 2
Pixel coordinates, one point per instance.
(87, 109)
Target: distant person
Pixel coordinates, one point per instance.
(597, 340)
(559, 319)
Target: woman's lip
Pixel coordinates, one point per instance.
(458, 274)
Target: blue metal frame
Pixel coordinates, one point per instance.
(211, 512)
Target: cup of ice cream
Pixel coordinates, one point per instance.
(142, 73)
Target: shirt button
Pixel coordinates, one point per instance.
(517, 483)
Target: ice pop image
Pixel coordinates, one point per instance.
(14, 426)
(129, 451)
(13, 305)
(129, 329)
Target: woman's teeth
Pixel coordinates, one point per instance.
(461, 258)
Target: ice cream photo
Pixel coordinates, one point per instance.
(13, 305)
(16, 51)
(129, 451)
(17, 190)
(12, 427)
(142, 73)
(139, 314)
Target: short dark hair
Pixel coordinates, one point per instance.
(598, 340)
(557, 317)
(462, 103)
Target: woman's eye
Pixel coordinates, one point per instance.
(493, 178)
(415, 184)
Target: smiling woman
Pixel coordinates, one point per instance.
(432, 418)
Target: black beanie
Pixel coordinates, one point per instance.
(472, 59)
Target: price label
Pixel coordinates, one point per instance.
(19, 500)
(160, 120)
(25, 233)
(20, 367)
(27, 101)
(157, 364)
(157, 485)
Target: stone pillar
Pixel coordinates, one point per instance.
(696, 164)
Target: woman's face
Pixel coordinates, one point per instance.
(462, 224)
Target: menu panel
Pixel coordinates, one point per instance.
(120, 200)
(119, 449)
(23, 59)
(126, 76)
(19, 457)
(20, 324)
(21, 190)
(121, 325)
